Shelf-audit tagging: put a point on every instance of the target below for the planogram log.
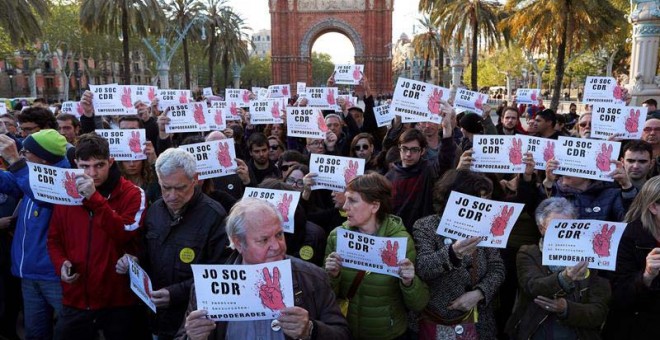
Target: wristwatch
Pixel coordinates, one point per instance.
(310, 331)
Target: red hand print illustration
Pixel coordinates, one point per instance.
(603, 158)
(533, 96)
(233, 109)
(356, 74)
(632, 122)
(270, 292)
(283, 206)
(183, 98)
(549, 151)
(275, 110)
(145, 282)
(246, 97)
(218, 117)
(515, 151)
(79, 109)
(331, 97)
(479, 103)
(199, 114)
(350, 171)
(617, 93)
(151, 94)
(70, 185)
(126, 98)
(500, 221)
(434, 102)
(321, 123)
(223, 154)
(134, 142)
(388, 253)
(601, 241)
(285, 90)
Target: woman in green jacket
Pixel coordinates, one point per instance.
(379, 303)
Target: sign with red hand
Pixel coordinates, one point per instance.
(470, 100)
(586, 158)
(125, 144)
(528, 96)
(284, 201)
(305, 122)
(626, 122)
(141, 284)
(112, 100)
(167, 98)
(348, 74)
(334, 172)
(54, 185)
(371, 253)
(418, 101)
(498, 153)
(214, 159)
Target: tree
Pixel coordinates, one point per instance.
(428, 45)
(21, 19)
(257, 72)
(456, 17)
(222, 23)
(183, 13)
(123, 18)
(322, 68)
(561, 28)
(234, 42)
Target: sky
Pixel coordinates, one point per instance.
(257, 16)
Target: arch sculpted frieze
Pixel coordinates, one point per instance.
(330, 5)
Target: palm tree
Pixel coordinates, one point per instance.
(20, 19)
(230, 31)
(428, 45)
(456, 17)
(121, 17)
(215, 13)
(183, 12)
(558, 27)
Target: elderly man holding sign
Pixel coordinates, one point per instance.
(255, 230)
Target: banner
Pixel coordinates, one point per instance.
(371, 253)
(418, 100)
(528, 96)
(214, 159)
(125, 144)
(187, 118)
(167, 98)
(284, 201)
(498, 154)
(305, 122)
(627, 122)
(141, 284)
(349, 74)
(334, 172)
(54, 185)
(244, 292)
(586, 158)
(471, 101)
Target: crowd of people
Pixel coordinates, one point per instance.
(66, 274)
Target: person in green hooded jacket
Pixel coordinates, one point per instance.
(378, 303)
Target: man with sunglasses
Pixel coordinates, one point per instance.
(651, 135)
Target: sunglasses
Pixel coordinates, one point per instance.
(285, 167)
(654, 129)
(584, 124)
(274, 147)
(362, 147)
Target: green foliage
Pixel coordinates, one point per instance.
(322, 68)
(22, 19)
(257, 72)
(494, 66)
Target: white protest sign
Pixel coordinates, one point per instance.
(418, 100)
(244, 292)
(371, 253)
(626, 122)
(383, 115)
(167, 98)
(599, 90)
(407, 119)
(266, 111)
(322, 97)
(215, 118)
(301, 88)
(186, 118)
(231, 110)
(144, 93)
(498, 154)
(567, 242)
(262, 94)
(349, 101)
(72, 108)
(467, 216)
(305, 122)
(207, 92)
(349, 74)
(54, 185)
(334, 172)
(214, 159)
(528, 96)
(586, 158)
(542, 149)
(279, 91)
(112, 100)
(470, 100)
(125, 144)
(141, 284)
(284, 201)
(3, 108)
(240, 96)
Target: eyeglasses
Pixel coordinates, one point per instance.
(413, 150)
(285, 167)
(316, 143)
(652, 128)
(28, 129)
(295, 182)
(274, 147)
(585, 124)
(362, 147)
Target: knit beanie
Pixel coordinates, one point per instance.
(46, 144)
(471, 122)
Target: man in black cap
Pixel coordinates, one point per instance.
(471, 124)
(545, 122)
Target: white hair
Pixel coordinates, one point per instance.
(174, 159)
(241, 212)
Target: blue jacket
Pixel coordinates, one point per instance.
(29, 255)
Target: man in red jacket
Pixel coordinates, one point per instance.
(85, 242)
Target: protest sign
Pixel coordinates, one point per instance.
(528, 96)
(542, 149)
(284, 201)
(231, 111)
(72, 108)
(141, 284)
(279, 91)
(468, 216)
(187, 118)
(322, 97)
(498, 154)
(301, 88)
(418, 100)
(383, 115)
(54, 185)
(125, 144)
(167, 98)
(334, 172)
(216, 118)
(3, 108)
(567, 242)
(214, 159)
(143, 93)
(626, 122)
(267, 111)
(349, 74)
(602, 90)
(471, 101)
(262, 93)
(371, 253)
(240, 96)
(207, 92)
(244, 292)
(305, 122)
(112, 100)
(586, 158)
(349, 101)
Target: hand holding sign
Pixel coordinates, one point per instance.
(601, 241)
(388, 253)
(270, 292)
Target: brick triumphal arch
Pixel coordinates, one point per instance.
(296, 24)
